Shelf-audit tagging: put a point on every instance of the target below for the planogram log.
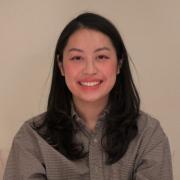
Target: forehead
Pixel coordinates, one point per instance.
(88, 38)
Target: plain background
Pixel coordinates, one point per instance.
(28, 35)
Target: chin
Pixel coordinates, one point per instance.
(93, 99)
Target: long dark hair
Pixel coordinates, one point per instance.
(121, 121)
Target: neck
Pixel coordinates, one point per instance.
(90, 111)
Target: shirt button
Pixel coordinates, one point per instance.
(96, 169)
(95, 140)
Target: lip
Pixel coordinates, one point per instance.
(90, 80)
(91, 84)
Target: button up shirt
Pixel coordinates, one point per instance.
(147, 158)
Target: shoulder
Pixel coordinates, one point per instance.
(26, 149)
(26, 132)
(150, 131)
(151, 149)
(147, 122)
(38, 119)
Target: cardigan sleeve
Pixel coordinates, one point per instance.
(154, 159)
(24, 162)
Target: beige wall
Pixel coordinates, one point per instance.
(28, 33)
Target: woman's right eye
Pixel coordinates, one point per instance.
(76, 58)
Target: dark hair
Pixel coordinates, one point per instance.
(121, 121)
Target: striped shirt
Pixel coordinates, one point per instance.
(147, 158)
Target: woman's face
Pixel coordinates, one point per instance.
(89, 65)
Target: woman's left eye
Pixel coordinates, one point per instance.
(102, 57)
(76, 58)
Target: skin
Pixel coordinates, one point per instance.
(89, 57)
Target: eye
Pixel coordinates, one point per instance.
(102, 57)
(76, 58)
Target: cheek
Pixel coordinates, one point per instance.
(70, 72)
(110, 73)
(110, 70)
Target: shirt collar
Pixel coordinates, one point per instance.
(78, 119)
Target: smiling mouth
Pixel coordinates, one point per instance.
(90, 84)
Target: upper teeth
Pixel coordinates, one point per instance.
(90, 83)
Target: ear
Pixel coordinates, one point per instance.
(119, 66)
(118, 69)
(61, 68)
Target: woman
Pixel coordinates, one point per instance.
(93, 127)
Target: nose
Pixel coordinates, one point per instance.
(90, 67)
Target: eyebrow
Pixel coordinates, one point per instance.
(97, 50)
(102, 48)
(75, 49)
